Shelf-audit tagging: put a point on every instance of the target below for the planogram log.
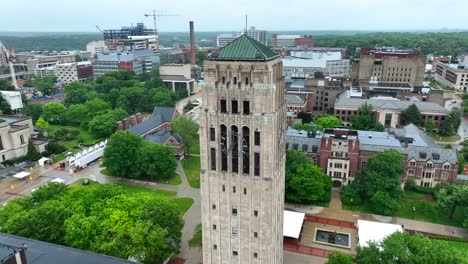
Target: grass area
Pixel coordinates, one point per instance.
(446, 139)
(85, 137)
(131, 189)
(184, 204)
(425, 211)
(195, 149)
(461, 247)
(192, 171)
(59, 157)
(176, 180)
(411, 194)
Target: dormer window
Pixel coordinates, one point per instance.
(412, 163)
(422, 155)
(435, 156)
(446, 166)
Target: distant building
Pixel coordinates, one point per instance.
(133, 37)
(342, 152)
(389, 65)
(37, 63)
(295, 104)
(224, 39)
(3, 56)
(177, 76)
(157, 129)
(388, 110)
(258, 35)
(284, 41)
(303, 64)
(326, 91)
(453, 75)
(138, 61)
(96, 46)
(73, 71)
(338, 68)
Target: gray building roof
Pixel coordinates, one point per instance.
(39, 252)
(160, 116)
(162, 136)
(389, 104)
(292, 99)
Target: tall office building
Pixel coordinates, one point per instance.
(242, 139)
(258, 35)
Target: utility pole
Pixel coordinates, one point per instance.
(155, 17)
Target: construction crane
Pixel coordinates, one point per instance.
(99, 29)
(155, 17)
(10, 56)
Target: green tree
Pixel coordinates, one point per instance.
(33, 110)
(364, 120)
(120, 154)
(5, 106)
(102, 126)
(32, 154)
(187, 129)
(118, 114)
(412, 115)
(96, 107)
(6, 85)
(451, 124)
(337, 257)
(42, 124)
(383, 203)
(300, 126)
(162, 97)
(401, 247)
(379, 127)
(382, 173)
(430, 127)
(327, 121)
(76, 93)
(45, 84)
(156, 161)
(77, 114)
(53, 112)
(452, 196)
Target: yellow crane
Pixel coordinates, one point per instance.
(155, 15)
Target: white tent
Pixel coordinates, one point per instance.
(292, 224)
(21, 175)
(59, 180)
(375, 231)
(44, 161)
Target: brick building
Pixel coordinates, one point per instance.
(389, 65)
(342, 152)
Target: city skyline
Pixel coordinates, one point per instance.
(307, 15)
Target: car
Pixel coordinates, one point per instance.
(454, 102)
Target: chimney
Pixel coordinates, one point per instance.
(126, 123)
(119, 126)
(133, 120)
(192, 44)
(138, 118)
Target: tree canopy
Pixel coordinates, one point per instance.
(187, 129)
(305, 182)
(327, 121)
(452, 196)
(100, 218)
(364, 120)
(411, 115)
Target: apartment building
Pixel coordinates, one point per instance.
(453, 75)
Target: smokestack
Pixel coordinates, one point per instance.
(192, 44)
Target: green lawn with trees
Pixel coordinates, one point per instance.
(192, 171)
(188, 130)
(103, 218)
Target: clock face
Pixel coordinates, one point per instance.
(233, 147)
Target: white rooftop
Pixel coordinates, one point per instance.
(305, 59)
(375, 231)
(21, 175)
(292, 224)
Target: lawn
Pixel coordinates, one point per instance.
(195, 148)
(86, 138)
(411, 194)
(176, 180)
(458, 246)
(184, 204)
(446, 139)
(425, 211)
(192, 171)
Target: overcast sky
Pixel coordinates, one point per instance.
(228, 15)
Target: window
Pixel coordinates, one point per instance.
(234, 231)
(246, 80)
(246, 107)
(214, 227)
(246, 150)
(224, 80)
(255, 213)
(22, 139)
(295, 146)
(410, 172)
(255, 255)
(446, 167)
(444, 175)
(363, 164)
(234, 189)
(224, 188)
(257, 138)
(212, 134)
(257, 164)
(234, 211)
(213, 159)
(234, 253)
(304, 147)
(215, 247)
(223, 106)
(412, 163)
(213, 206)
(245, 191)
(234, 109)
(1, 144)
(234, 80)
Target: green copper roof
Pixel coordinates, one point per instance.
(244, 48)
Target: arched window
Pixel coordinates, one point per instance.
(234, 149)
(224, 148)
(245, 150)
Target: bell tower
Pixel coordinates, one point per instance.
(242, 135)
